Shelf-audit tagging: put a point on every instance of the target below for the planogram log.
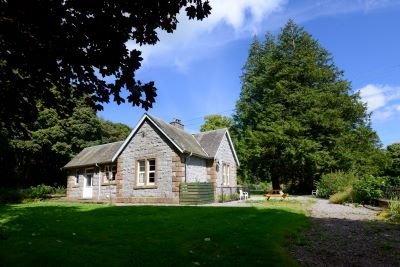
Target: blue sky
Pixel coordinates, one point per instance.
(197, 68)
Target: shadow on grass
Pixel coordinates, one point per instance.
(45, 234)
(342, 242)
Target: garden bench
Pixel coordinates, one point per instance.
(276, 193)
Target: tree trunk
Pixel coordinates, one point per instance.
(275, 183)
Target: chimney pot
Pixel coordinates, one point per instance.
(177, 123)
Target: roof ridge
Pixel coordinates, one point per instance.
(225, 129)
(202, 148)
(106, 144)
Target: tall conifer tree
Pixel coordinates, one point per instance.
(297, 116)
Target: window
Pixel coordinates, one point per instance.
(146, 172)
(89, 177)
(141, 171)
(110, 172)
(225, 174)
(151, 166)
(78, 173)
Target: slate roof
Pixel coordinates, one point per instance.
(186, 141)
(203, 144)
(95, 154)
(211, 140)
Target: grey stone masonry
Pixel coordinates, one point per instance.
(148, 144)
(100, 192)
(196, 170)
(74, 190)
(225, 155)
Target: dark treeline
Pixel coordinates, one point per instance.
(35, 155)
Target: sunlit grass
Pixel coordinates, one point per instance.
(48, 234)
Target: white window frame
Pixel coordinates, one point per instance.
(146, 172)
(108, 171)
(139, 172)
(226, 174)
(91, 172)
(149, 171)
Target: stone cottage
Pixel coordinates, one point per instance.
(151, 163)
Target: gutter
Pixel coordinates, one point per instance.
(98, 182)
(186, 162)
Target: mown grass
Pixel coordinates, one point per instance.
(286, 204)
(49, 234)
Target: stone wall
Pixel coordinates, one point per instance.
(74, 190)
(225, 155)
(196, 170)
(148, 143)
(102, 193)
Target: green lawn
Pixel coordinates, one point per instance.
(47, 234)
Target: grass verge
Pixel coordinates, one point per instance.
(50, 234)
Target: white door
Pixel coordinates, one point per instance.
(88, 186)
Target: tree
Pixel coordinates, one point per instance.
(215, 121)
(296, 117)
(394, 154)
(51, 51)
(52, 142)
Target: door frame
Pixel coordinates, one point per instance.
(87, 191)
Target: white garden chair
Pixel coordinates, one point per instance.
(242, 194)
(314, 193)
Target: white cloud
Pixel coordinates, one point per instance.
(373, 96)
(382, 100)
(229, 20)
(236, 19)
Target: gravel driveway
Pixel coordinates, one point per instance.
(347, 236)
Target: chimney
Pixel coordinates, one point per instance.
(177, 123)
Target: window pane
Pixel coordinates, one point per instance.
(89, 180)
(151, 177)
(141, 165)
(152, 165)
(141, 177)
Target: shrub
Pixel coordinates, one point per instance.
(228, 197)
(40, 191)
(335, 182)
(342, 197)
(394, 209)
(368, 188)
(11, 195)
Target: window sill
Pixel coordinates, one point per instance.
(144, 187)
(113, 183)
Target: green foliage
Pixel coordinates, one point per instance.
(368, 188)
(228, 197)
(55, 44)
(42, 191)
(394, 154)
(52, 141)
(259, 188)
(11, 195)
(342, 197)
(215, 121)
(297, 118)
(394, 209)
(335, 182)
(17, 195)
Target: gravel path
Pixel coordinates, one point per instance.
(347, 236)
(324, 209)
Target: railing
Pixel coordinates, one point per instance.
(229, 193)
(392, 192)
